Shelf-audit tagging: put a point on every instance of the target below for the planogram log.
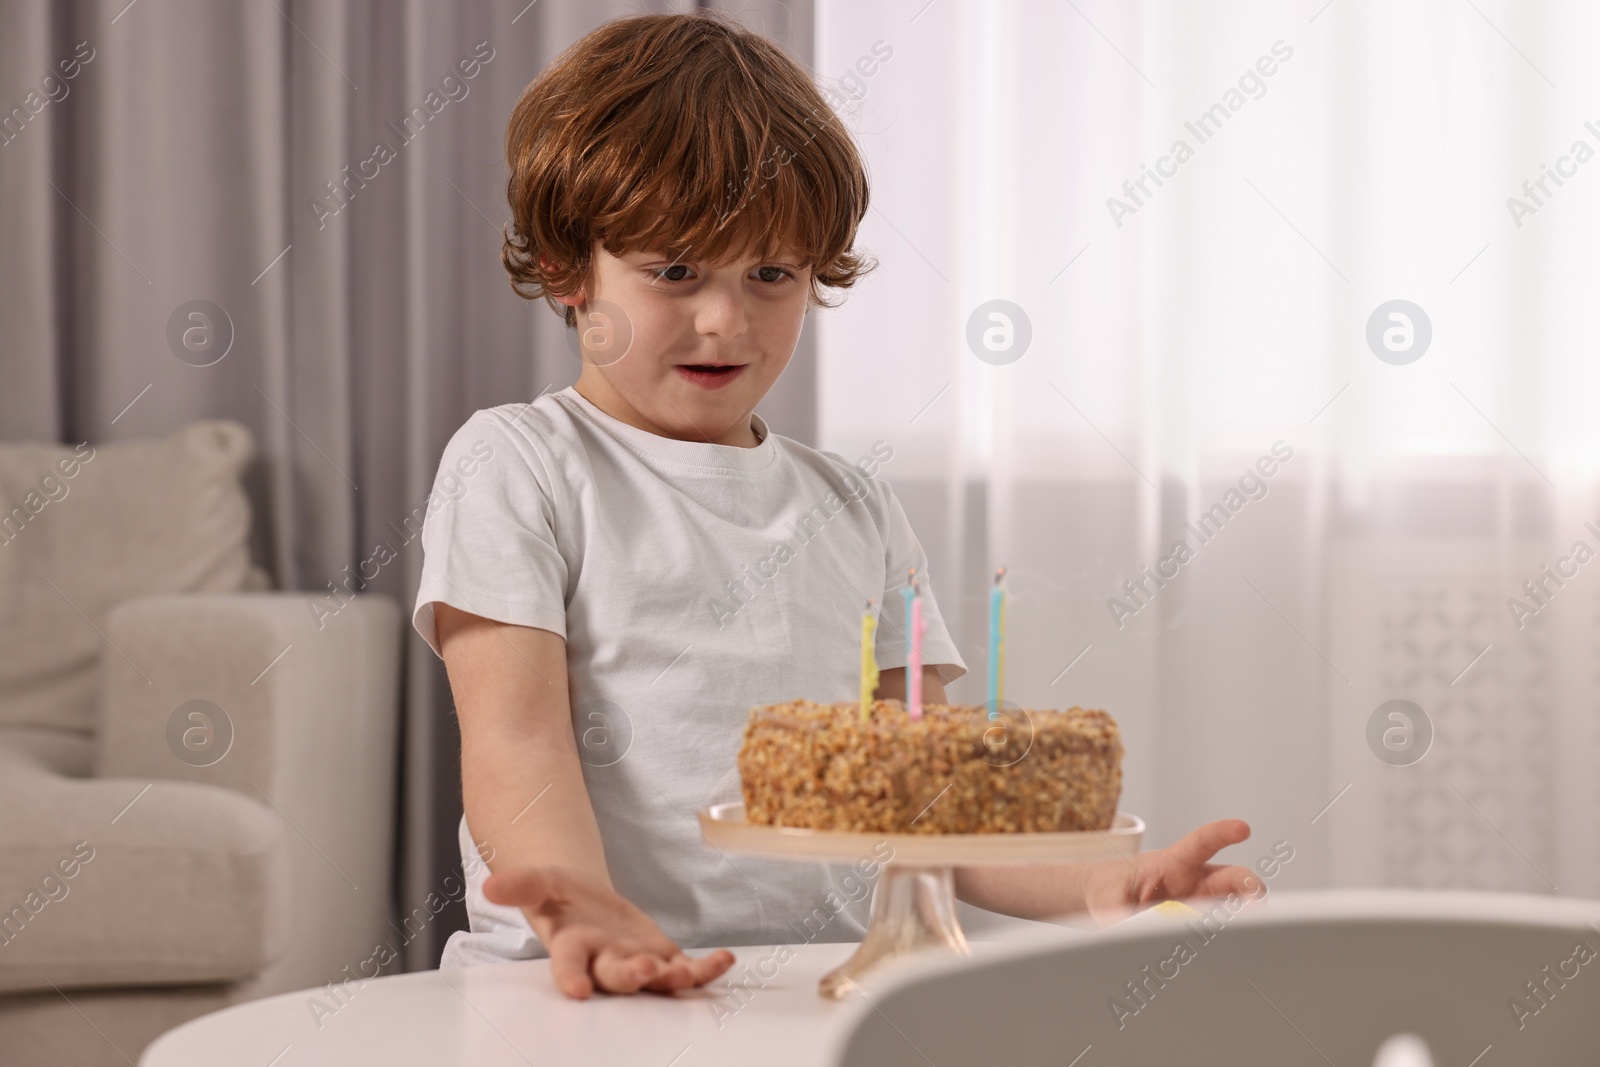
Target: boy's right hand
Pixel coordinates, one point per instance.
(597, 939)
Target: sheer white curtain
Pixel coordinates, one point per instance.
(1198, 210)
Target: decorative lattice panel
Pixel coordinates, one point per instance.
(1474, 812)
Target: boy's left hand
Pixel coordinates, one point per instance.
(1115, 888)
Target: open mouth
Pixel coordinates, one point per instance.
(709, 375)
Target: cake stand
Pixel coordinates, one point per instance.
(914, 903)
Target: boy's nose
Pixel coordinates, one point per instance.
(721, 313)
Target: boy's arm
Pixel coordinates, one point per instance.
(521, 779)
(892, 685)
(530, 815)
(1108, 889)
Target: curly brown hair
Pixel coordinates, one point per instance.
(685, 134)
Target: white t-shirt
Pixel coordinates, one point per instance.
(691, 581)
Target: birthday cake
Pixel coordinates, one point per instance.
(954, 770)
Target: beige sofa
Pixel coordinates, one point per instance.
(196, 773)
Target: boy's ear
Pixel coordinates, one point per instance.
(547, 265)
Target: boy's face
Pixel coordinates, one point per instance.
(704, 343)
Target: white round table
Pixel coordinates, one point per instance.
(510, 1015)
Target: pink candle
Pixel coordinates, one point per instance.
(914, 663)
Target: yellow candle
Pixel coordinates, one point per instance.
(869, 660)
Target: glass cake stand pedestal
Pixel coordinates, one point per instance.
(914, 903)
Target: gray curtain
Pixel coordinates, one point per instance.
(190, 157)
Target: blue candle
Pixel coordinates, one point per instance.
(997, 625)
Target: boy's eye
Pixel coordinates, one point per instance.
(776, 275)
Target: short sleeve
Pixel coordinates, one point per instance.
(488, 538)
(902, 551)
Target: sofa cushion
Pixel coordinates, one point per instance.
(122, 881)
(84, 528)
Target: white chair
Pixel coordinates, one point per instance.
(1305, 978)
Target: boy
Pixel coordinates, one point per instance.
(627, 566)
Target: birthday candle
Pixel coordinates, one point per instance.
(869, 661)
(1000, 687)
(997, 643)
(909, 591)
(914, 661)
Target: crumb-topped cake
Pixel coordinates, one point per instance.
(953, 771)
